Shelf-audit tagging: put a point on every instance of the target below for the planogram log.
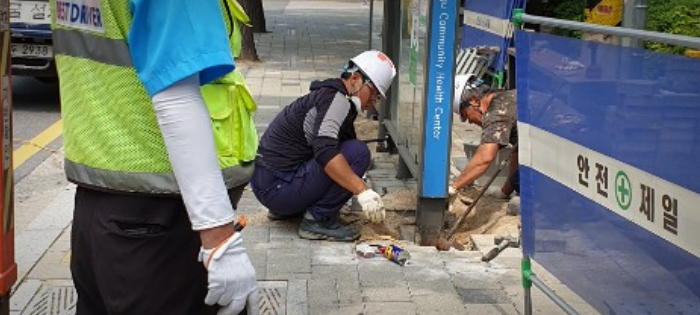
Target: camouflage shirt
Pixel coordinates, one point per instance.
(499, 122)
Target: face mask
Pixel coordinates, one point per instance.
(356, 100)
(358, 103)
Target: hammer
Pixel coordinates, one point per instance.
(502, 243)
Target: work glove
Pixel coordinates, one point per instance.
(452, 194)
(232, 281)
(495, 192)
(372, 206)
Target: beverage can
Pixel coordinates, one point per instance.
(395, 254)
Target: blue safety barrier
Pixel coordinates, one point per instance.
(609, 153)
(487, 23)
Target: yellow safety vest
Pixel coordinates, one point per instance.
(111, 136)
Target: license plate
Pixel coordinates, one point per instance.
(30, 12)
(32, 50)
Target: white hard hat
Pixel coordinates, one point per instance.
(377, 67)
(464, 83)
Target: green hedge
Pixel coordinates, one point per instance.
(680, 17)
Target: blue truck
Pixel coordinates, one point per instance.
(31, 43)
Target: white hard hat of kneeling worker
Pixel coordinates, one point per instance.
(377, 67)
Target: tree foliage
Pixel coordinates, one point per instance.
(681, 17)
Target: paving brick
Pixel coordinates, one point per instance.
(491, 309)
(427, 273)
(438, 304)
(382, 171)
(257, 252)
(348, 309)
(350, 296)
(388, 183)
(52, 265)
(269, 101)
(380, 273)
(431, 288)
(23, 294)
(483, 296)
(256, 234)
(297, 303)
(322, 309)
(390, 308)
(323, 291)
(286, 231)
(334, 254)
(285, 261)
(396, 293)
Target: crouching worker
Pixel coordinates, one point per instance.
(309, 160)
(495, 112)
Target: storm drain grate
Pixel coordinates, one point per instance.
(61, 300)
(53, 300)
(273, 297)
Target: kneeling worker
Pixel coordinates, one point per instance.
(495, 112)
(309, 159)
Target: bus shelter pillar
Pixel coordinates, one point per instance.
(391, 46)
(436, 127)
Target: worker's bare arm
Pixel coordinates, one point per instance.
(478, 165)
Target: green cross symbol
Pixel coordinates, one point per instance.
(623, 190)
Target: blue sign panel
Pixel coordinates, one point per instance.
(438, 100)
(610, 181)
(487, 23)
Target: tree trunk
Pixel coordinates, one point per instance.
(257, 16)
(248, 50)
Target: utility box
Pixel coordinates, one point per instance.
(8, 267)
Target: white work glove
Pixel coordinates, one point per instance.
(495, 192)
(372, 206)
(452, 196)
(232, 281)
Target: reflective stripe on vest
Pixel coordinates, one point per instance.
(79, 44)
(152, 183)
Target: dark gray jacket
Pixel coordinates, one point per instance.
(311, 127)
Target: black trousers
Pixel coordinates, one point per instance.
(137, 255)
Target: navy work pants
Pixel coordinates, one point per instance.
(309, 188)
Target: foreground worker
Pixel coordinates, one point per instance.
(496, 113)
(309, 161)
(153, 226)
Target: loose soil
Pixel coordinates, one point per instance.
(488, 217)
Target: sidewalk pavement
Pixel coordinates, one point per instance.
(308, 40)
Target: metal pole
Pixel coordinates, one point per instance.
(525, 268)
(436, 120)
(553, 296)
(640, 19)
(671, 39)
(391, 45)
(372, 112)
(371, 22)
(635, 17)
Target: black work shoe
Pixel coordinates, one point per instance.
(326, 229)
(283, 217)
